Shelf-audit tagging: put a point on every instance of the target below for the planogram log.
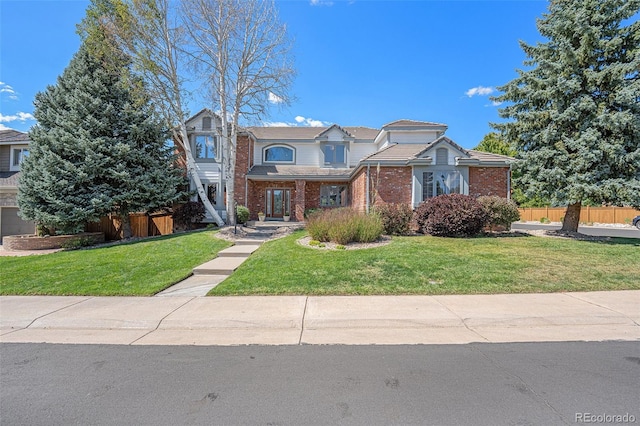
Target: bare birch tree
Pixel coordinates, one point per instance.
(153, 34)
(244, 53)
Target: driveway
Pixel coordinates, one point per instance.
(621, 231)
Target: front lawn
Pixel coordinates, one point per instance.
(140, 268)
(430, 265)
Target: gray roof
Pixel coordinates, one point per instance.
(396, 152)
(404, 123)
(308, 133)
(281, 171)
(9, 179)
(13, 136)
(408, 152)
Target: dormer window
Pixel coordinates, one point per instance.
(279, 154)
(206, 147)
(334, 155)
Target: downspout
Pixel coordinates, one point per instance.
(509, 181)
(367, 197)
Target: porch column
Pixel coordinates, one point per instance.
(300, 200)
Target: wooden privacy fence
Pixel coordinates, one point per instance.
(142, 225)
(587, 214)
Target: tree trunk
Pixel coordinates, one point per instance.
(125, 221)
(572, 217)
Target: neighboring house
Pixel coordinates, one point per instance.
(14, 147)
(287, 170)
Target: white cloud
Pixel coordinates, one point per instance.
(300, 121)
(320, 3)
(310, 122)
(11, 93)
(496, 103)
(3, 127)
(278, 124)
(275, 99)
(479, 91)
(20, 116)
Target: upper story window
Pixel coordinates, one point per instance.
(206, 123)
(206, 147)
(279, 154)
(334, 155)
(17, 157)
(442, 156)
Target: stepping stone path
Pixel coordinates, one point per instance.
(210, 274)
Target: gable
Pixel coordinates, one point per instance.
(203, 121)
(436, 148)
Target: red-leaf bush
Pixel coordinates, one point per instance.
(396, 218)
(452, 215)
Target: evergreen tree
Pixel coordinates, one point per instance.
(97, 149)
(576, 112)
(492, 142)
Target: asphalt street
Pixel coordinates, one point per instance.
(602, 231)
(474, 384)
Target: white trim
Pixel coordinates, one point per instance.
(12, 148)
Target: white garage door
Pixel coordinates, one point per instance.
(12, 224)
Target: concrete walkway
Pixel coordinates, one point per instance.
(294, 320)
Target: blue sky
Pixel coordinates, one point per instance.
(358, 63)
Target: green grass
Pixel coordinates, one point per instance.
(429, 265)
(140, 268)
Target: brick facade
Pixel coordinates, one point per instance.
(391, 185)
(359, 191)
(489, 181)
(244, 161)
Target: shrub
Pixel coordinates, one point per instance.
(188, 213)
(242, 214)
(502, 212)
(343, 226)
(396, 218)
(76, 243)
(452, 215)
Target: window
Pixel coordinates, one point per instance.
(211, 190)
(206, 147)
(334, 155)
(206, 123)
(333, 195)
(439, 183)
(19, 154)
(278, 154)
(442, 156)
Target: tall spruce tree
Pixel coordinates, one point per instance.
(576, 112)
(97, 149)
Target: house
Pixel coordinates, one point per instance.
(14, 147)
(287, 170)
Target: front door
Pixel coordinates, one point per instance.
(278, 201)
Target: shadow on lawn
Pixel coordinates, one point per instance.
(571, 236)
(139, 240)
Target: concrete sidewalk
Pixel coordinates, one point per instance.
(294, 320)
